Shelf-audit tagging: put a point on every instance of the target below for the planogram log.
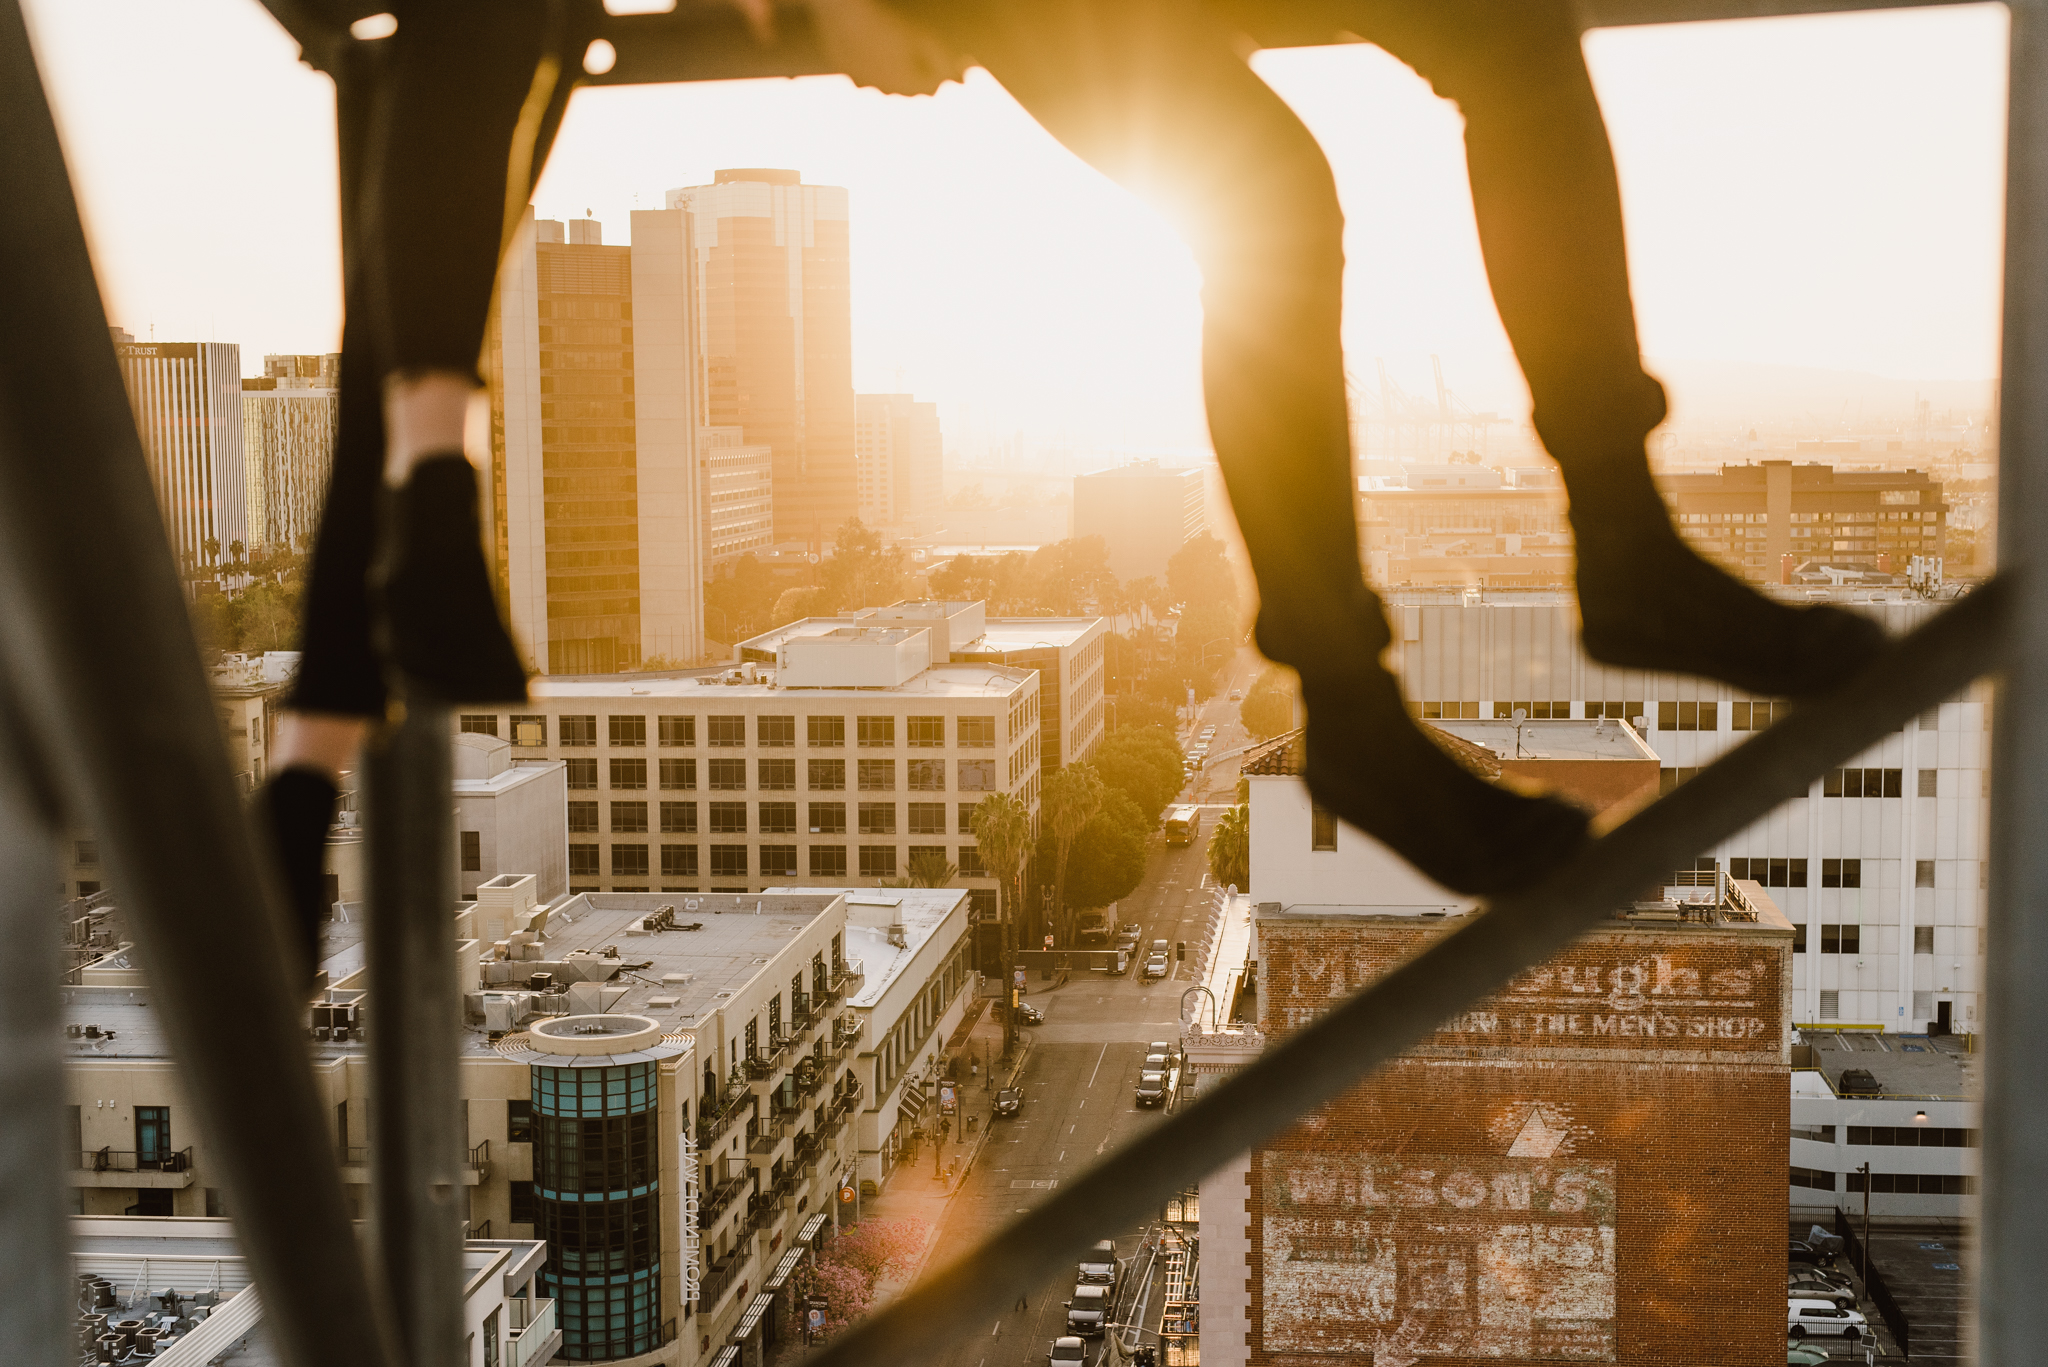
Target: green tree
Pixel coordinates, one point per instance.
(1068, 802)
(1207, 638)
(742, 603)
(1230, 849)
(1200, 572)
(1144, 765)
(1138, 711)
(1268, 707)
(269, 618)
(1002, 833)
(796, 604)
(212, 548)
(925, 870)
(1108, 860)
(1073, 576)
(863, 572)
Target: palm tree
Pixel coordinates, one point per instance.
(1070, 801)
(1002, 832)
(925, 870)
(1230, 849)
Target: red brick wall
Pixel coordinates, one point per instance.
(1589, 1167)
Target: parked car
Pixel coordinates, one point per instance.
(1799, 1353)
(1152, 1087)
(1833, 1276)
(1098, 1265)
(1166, 1047)
(1127, 940)
(1155, 965)
(1809, 1318)
(1237, 695)
(1806, 1289)
(1797, 1251)
(1009, 1101)
(1067, 1351)
(1859, 1081)
(1027, 1014)
(1088, 1310)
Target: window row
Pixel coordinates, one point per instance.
(1912, 1136)
(774, 861)
(771, 818)
(780, 775)
(770, 732)
(1913, 1183)
(1835, 938)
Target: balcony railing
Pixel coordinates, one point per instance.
(846, 1030)
(844, 1100)
(764, 1135)
(477, 1158)
(807, 1146)
(758, 1067)
(711, 1202)
(718, 1124)
(719, 1276)
(133, 1160)
(531, 1332)
(481, 1230)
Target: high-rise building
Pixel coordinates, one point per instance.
(897, 456)
(739, 496)
(187, 398)
(1768, 519)
(289, 414)
(595, 486)
(1143, 511)
(774, 334)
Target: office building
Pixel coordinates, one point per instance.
(1464, 525)
(289, 415)
(596, 496)
(1067, 652)
(859, 752)
(1880, 867)
(1769, 519)
(739, 496)
(509, 814)
(1584, 1166)
(774, 334)
(760, 1054)
(897, 452)
(187, 398)
(1915, 1120)
(1143, 512)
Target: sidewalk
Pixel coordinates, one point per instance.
(913, 1193)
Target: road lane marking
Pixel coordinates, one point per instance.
(1098, 1063)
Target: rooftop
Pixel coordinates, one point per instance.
(706, 686)
(1908, 1066)
(1482, 746)
(997, 634)
(870, 912)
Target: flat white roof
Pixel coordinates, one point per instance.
(943, 681)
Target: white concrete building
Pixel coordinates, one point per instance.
(187, 398)
(1880, 867)
(509, 815)
(897, 456)
(1918, 1132)
(742, 779)
(1067, 652)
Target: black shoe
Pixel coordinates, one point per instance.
(444, 628)
(1649, 601)
(292, 811)
(1372, 764)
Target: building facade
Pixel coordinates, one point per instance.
(289, 416)
(596, 493)
(899, 461)
(1880, 867)
(1766, 520)
(739, 496)
(1585, 1166)
(1143, 512)
(769, 262)
(850, 760)
(509, 814)
(187, 398)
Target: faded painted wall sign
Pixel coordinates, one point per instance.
(1705, 997)
(1409, 1256)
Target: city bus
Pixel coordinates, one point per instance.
(1183, 824)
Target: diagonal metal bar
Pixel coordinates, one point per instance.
(99, 655)
(1321, 1061)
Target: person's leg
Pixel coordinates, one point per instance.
(1550, 227)
(1153, 93)
(457, 119)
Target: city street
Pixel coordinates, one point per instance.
(1079, 1085)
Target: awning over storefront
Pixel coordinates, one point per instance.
(752, 1319)
(811, 1228)
(727, 1356)
(787, 1266)
(911, 1106)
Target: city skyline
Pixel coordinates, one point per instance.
(1841, 212)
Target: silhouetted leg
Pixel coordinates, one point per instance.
(1550, 226)
(1154, 94)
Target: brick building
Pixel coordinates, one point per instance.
(1586, 1167)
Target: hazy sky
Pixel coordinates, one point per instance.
(1815, 191)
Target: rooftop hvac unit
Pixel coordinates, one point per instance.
(541, 982)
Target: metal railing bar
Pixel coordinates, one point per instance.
(98, 651)
(417, 1155)
(1322, 1060)
(2011, 1312)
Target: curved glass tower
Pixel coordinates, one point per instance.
(596, 1182)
